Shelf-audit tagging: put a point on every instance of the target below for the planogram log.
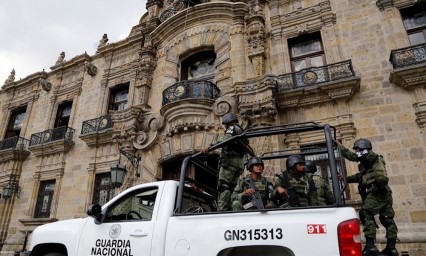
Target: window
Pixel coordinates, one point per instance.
(199, 66)
(44, 199)
(138, 205)
(306, 52)
(414, 19)
(15, 123)
(103, 191)
(119, 97)
(63, 114)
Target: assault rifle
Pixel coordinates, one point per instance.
(255, 199)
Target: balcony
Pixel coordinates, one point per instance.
(14, 148)
(409, 66)
(187, 106)
(97, 131)
(190, 90)
(317, 85)
(57, 140)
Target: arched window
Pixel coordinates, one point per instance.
(199, 66)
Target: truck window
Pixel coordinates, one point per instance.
(135, 206)
(197, 201)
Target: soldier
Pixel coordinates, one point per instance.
(231, 161)
(294, 186)
(375, 193)
(252, 191)
(325, 195)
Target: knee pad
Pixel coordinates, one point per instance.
(386, 220)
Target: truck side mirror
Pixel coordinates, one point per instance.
(95, 211)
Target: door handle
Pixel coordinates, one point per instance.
(138, 233)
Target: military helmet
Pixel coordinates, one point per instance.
(310, 166)
(229, 117)
(252, 161)
(294, 159)
(362, 144)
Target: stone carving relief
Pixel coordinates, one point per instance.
(90, 68)
(146, 65)
(301, 28)
(224, 105)
(256, 38)
(45, 85)
(151, 125)
(256, 101)
(172, 7)
(136, 128)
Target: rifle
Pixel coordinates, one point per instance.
(362, 190)
(256, 199)
(293, 197)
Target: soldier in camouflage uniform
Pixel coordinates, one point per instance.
(376, 196)
(295, 187)
(231, 161)
(325, 195)
(252, 191)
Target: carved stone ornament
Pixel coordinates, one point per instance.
(173, 6)
(224, 105)
(45, 85)
(256, 34)
(146, 65)
(151, 125)
(301, 28)
(136, 127)
(90, 68)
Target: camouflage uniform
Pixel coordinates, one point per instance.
(264, 186)
(304, 186)
(231, 166)
(377, 199)
(325, 196)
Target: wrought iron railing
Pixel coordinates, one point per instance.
(408, 56)
(14, 143)
(190, 89)
(96, 125)
(61, 133)
(316, 75)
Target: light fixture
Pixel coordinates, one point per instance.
(11, 187)
(118, 171)
(134, 159)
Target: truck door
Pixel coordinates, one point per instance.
(126, 229)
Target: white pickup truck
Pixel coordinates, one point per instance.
(179, 218)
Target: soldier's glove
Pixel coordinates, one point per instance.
(381, 185)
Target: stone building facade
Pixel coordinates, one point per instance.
(157, 96)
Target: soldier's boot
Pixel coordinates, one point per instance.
(370, 248)
(390, 249)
